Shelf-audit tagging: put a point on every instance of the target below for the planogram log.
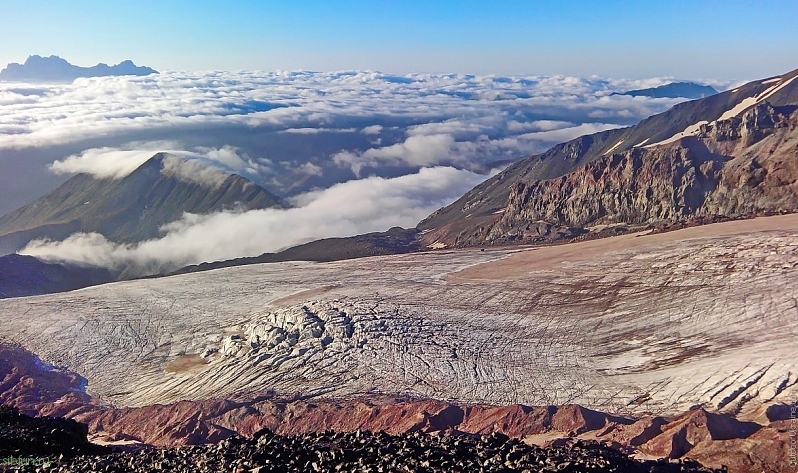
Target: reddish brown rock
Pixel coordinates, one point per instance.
(682, 433)
(710, 438)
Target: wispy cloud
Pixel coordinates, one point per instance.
(202, 163)
(360, 206)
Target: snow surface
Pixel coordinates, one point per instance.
(609, 151)
(689, 131)
(751, 101)
(679, 322)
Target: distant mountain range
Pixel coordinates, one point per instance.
(132, 208)
(689, 90)
(55, 69)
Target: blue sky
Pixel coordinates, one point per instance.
(686, 39)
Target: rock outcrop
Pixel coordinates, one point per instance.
(312, 451)
(22, 436)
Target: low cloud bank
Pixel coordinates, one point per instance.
(354, 207)
(421, 149)
(308, 102)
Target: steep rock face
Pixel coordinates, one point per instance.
(633, 187)
(740, 166)
(729, 154)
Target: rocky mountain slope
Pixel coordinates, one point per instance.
(131, 208)
(560, 430)
(730, 154)
(22, 275)
(55, 69)
(395, 241)
(41, 438)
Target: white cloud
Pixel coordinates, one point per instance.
(299, 102)
(365, 205)
(372, 130)
(315, 131)
(310, 169)
(109, 162)
(537, 125)
(199, 164)
(421, 149)
(565, 134)
(416, 150)
(193, 171)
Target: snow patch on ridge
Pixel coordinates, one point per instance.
(689, 131)
(744, 105)
(751, 101)
(609, 151)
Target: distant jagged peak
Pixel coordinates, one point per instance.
(35, 59)
(54, 68)
(685, 89)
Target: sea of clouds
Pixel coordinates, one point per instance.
(353, 151)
